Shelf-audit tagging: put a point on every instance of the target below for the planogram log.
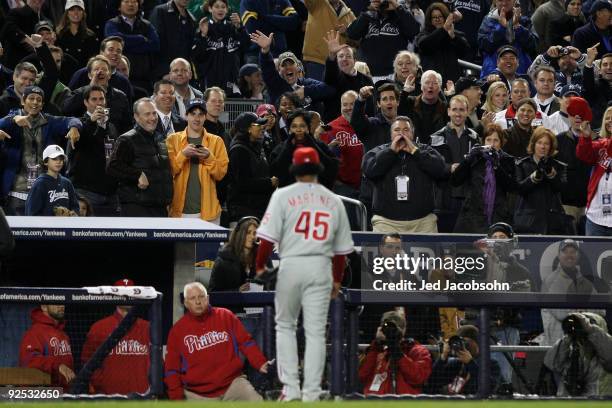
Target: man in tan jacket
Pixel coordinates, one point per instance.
(198, 160)
(323, 16)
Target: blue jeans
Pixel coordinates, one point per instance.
(508, 336)
(596, 230)
(314, 70)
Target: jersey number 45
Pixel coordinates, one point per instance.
(318, 230)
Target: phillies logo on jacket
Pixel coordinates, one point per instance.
(204, 341)
(130, 348)
(59, 347)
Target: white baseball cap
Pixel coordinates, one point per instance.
(53, 151)
(73, 3)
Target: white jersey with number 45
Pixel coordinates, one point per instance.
(306, 219)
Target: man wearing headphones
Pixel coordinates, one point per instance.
(502, 266)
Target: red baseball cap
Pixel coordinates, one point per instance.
(264, 109)
(578, 106)
(305, 155)
(124, 282)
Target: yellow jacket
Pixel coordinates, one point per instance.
(322, 18)
(211, 170)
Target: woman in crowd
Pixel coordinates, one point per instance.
(250, 183)
(287, 103)
(560, 31)
(73, 35)
(597, 153)
(250, 83)
(606, 124)
(235, 263)
(497, 98)
(232, 272)
(439, 44)
(540, 179)
(218, 48)
(407, 63)
(271, 132)
(489, 172)
(298, 123)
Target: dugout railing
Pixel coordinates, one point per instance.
(343, 340)
(145, 301)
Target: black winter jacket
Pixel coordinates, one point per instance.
(438, 51)
(538, 209)
(381, 165)
(282, 156)
(250, 186)
(117, 101)
(578, 172)
(87, 161)
(471, 174)
(426, 119)
(175, 34)
(138, 151)
(217, 56)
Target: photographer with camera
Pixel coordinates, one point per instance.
(87, 160)
(567, 278)
(502, 266)
(489, 173)
(456, 370)
(393, 365)
(540, 179)
(581, 360)
(567, 63)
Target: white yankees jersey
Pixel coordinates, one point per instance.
(306, 219)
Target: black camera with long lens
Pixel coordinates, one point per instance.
(391, 331)
(456, 344)
(545, 165)
(572, 327)
(563, 51)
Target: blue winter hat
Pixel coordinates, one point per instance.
(248, 69)
(600, 5)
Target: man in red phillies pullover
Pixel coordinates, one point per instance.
(46, 346)
(342, 140)
(413, 364)
(126, 368)
(202, 361)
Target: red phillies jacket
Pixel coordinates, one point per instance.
(46, 346)
(126, 368)
(203, 353)
(413, 370)
(592, 152)
(351, 151)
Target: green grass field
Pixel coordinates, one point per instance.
(344, 404)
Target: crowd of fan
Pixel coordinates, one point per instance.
(119, 104)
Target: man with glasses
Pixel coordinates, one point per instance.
(203, 360)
